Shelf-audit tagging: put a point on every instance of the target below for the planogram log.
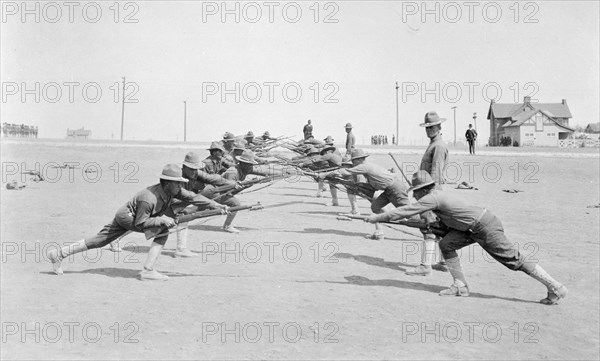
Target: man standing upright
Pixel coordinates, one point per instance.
(433, 162)
(350, 140)
(471, 136)
(307, 130)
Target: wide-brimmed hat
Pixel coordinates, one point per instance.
(312, 150)
(249, 134)
(328, 140)
(348, 125)
(192, 160)
(228, 137)
(357, 154)
(421, 179)
(347, 161)
(431, 119)
(172, 172)
(326, 148)
(239, 145)
(246, 157)
(217, 145)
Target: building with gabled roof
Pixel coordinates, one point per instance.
(529, 124)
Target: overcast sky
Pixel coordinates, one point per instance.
(344, 58)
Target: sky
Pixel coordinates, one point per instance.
(271, 65)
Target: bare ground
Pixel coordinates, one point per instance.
(296, 283)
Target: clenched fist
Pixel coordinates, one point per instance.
(167, 221)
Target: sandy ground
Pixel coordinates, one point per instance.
(296, 283)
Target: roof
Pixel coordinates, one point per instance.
(504, 110)
(522, 117)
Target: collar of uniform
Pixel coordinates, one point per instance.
(162, 194)
(436, 138)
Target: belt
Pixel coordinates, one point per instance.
(475, 222)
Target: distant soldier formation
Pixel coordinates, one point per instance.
(19, 130)
(379, 140)
(199, 188)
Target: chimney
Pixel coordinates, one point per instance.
(527, 100)
(564, 101)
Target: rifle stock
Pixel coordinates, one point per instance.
(160, 231)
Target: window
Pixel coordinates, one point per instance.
(539, 122)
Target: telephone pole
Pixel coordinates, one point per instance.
(397, 115)
(454, 108)
(184, 121)
(123, 109)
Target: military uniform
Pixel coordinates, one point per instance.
(470, 224)
(394, 190)
(149, 208)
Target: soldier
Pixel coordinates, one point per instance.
(204, 183)
(329, 141)
(249, 138)
(350, 140)
(267, 136)
(244, 167)
(307, 130)
(433, 162)
(216, 162)
(149, 208)
(312, 162)
(327, 159)
(228, 142)
(356, 179)
(468, 224)
(394, 190)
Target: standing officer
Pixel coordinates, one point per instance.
(471, 136)
(150, 208)
(350, 140)
(307, 130)
(433, 162)
(469, 224)
(394, 190)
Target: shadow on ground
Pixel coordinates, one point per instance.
(113, 272)
(375, 261)
(363, 281)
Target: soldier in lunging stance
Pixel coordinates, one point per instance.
(468, 224)
(148, 209)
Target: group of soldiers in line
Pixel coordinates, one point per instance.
(19, 130)
(212, 183)
(379, 140)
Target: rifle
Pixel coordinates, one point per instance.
(364, 190)
(231, 190)
(184, 218)
(401, 171)
(435, 228)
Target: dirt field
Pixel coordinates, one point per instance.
(296, 283)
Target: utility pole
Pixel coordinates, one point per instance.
(184, 121)
(123, 109)
(454, 108)
(397, 115)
